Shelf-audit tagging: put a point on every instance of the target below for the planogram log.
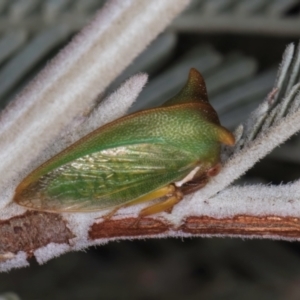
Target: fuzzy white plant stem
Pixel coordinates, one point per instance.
(247, 157)
(73, 79)
(271, 124)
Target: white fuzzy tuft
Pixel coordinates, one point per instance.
(19, 260)
(52, 250)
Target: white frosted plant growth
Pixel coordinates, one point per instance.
(272, 123)
(257, 137)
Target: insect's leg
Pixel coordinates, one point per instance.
(162, 192)
(166, 205)
(199, 182)
(111, 213)
(214, 171)
(194, 185)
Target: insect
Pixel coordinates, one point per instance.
(164, 152)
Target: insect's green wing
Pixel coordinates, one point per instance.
(109, 178)
(131, 156)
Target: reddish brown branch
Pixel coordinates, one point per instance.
(127, 227)
(33, 230)
(285, 227)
